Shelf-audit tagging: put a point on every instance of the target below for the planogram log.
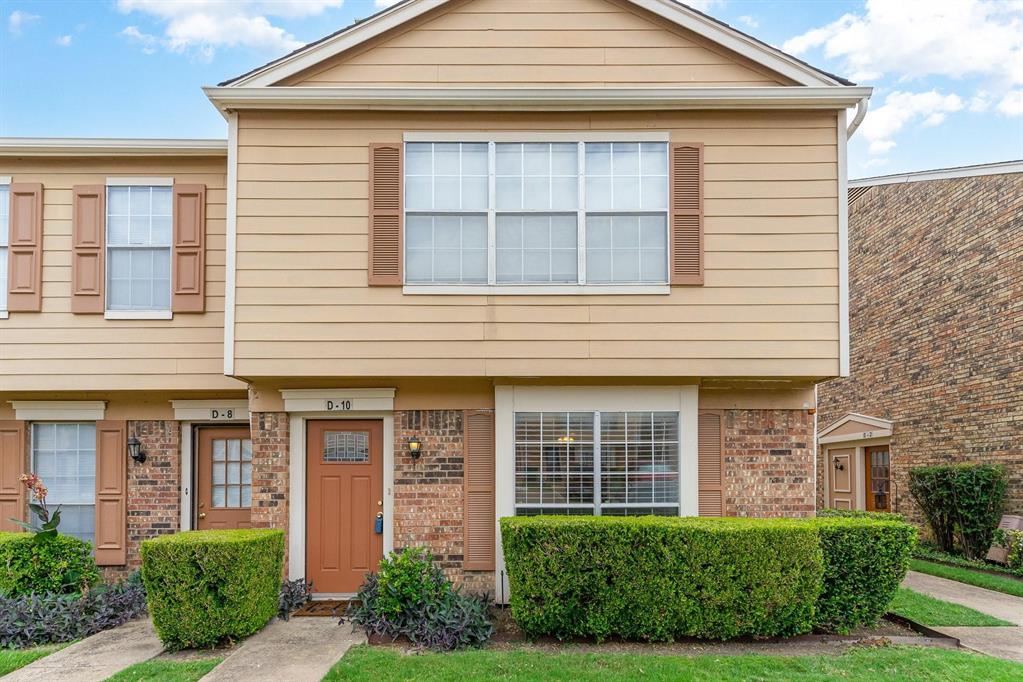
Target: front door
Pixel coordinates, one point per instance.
(224, 482)
(842, 478)
(344, 469)
(878, 478)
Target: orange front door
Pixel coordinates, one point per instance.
(225, 478)
(344, 470)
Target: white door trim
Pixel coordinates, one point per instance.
(187, 471)
(297, 483)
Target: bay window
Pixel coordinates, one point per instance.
(536, 213)
(604, 463)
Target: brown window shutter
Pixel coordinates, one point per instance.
(711, 437)
(111, 493)
(88, 220)
(13, 463)
(686, 214)
(25, 248)
(480, 514)
(189, 262)
(385, 202)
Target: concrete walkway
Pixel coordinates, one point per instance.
(298, 650)
(95, 658)
(1002, 642)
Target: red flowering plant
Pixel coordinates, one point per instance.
(48, 521)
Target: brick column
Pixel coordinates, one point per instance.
(270, 475)
(769, 463)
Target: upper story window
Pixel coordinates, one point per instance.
(5, 218)
(138, 241)
(536, 213)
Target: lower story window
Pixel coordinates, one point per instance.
(64, 457)
(604, 463)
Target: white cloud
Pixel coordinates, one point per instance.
(901, 108)
(749, 21)
(704, 5)
(385, 3)
(1012, 104)
(918, 38)
(18, 20)
(63, 41)
(202, 26)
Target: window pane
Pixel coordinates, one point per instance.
(627, 176)
(449, 176)
(626, 249)
(554, 458)
(536, 248)
(640, 461)
(446, 249)
(537, 176)
(64, 456)
(138, 248)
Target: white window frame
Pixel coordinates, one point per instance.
(70, 419)
(168, 314)
(5, 245)
(541, 288)
(509, 399)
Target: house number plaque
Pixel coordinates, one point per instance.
(338, 405)
(223, 414)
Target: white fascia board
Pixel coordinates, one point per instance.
(702, 25)
(999, 168)
(231, 243)
(536, 99)
(98, 146)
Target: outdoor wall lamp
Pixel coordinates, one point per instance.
(415, 448)
(838, 465)
(135, 450)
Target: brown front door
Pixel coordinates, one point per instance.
(225, 478)
(841, 478)
(344, 469)
(878, 478)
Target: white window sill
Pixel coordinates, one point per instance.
(138, 315)
(4, 314)
(536, 289)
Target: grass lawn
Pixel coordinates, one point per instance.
(166, 671)
(904, 664)
(935, 612)
(964, 575)
(12, 659)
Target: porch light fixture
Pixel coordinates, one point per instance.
(135, 450)
(415, 447)
(838, 464)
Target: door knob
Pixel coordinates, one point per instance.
(202, 515)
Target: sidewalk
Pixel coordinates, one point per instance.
(1002, 642)
(298, 650)
(95, 658)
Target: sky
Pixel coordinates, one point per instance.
(947, 74)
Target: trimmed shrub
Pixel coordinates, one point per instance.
(657, 579)
(859, 514)
(410, 596)
(61, 564)
(36, 619)
(865, 560)
(208, 586)
(962, 504)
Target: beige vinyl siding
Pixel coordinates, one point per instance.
(769, 307)
(56, 350)
(539, 42)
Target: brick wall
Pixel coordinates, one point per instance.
(154, 489)
(428, 494)
(768, 463)
(270, 472)
(936, 303)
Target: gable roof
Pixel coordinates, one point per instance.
(996, 168)
(877, 427)
(407, 10)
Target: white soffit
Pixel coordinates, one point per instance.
(402, 12)
(59, 410)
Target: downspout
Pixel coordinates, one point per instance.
(861, 111)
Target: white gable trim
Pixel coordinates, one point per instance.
(702, 25)
(881, 428)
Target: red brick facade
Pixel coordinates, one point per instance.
(270, 472)
(936, 324)
(768, 463)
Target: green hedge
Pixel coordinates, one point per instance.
(962, 503)
(865, 560)
(860, 514)
(62, 564)
(204, 587)
(655, 578)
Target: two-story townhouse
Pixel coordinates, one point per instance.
(472, 258)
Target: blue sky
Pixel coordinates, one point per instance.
(948, 74)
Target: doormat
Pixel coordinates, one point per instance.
(327, 608)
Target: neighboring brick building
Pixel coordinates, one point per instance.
(936, 326)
